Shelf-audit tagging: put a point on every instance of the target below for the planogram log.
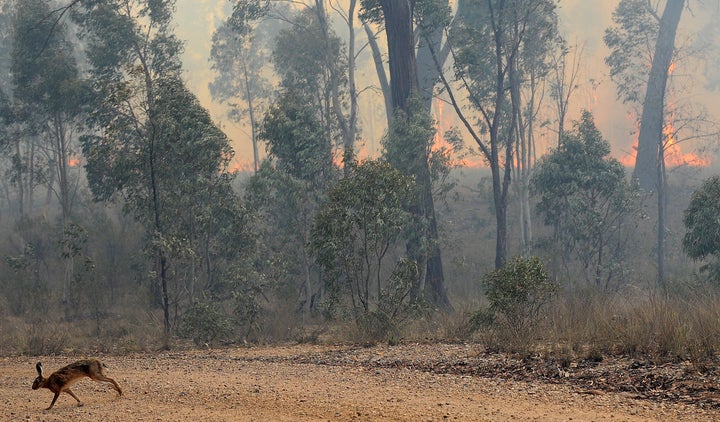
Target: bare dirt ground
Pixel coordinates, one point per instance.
(411, 382)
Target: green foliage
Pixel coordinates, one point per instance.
(284, 207)
(585, 198)
(43, 64)
(702, 238)
(408, 146)
(288, 189)
(312, 67)
(630, 41)
(408, 143)
(239, 55)
(516, 294)
(49, 100)
(356, 232)
(490, 35)
(246, 13)
(205, 324)
(158, 149)
(314, 77)
(363, 217)
(296, 139)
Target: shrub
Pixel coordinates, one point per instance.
(516, 294)
(702, 239)
(205, 324)
(45, 339)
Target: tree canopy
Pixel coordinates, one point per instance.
(583, 195)
(702, 238)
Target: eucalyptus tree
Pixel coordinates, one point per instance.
(498, 45)
(356, 236)
(240, 56)
(529, 71)
(429, 19)
(315, 71)
(301, 131)
(155, 147)
(584, 197)
(288, 190)
(642, 44)
(702, 236)
(642, 49)
(49, 95)
(397, 18)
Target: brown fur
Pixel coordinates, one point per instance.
(61, 380)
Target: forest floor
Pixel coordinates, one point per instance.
(409, 382)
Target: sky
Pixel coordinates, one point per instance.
(583, 22)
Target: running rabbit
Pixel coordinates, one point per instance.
(61, 380)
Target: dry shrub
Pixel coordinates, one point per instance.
(280, 321)
(130, 333)
(12, 338)
(45, 338)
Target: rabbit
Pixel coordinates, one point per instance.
(61, 380)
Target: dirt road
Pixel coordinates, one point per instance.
(317, 383)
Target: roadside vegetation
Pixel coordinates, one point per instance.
(124, 227)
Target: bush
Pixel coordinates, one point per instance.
(395, 308)
(516, 294)
(45, 339)
(205, 324)
(702, 239)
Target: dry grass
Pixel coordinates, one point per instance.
(579, 325)
(678, 326)
(583, 324)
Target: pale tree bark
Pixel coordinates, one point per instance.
(380, 69)
(651, 122)
(563, 83)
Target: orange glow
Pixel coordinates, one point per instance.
(674, 157)
(628, 160)
(363, 153)
(74, 162)
(439, 141)
(443, 123)
(242, 167)
(673, 154)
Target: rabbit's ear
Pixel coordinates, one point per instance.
(39, 368)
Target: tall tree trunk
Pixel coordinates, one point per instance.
(404, 83)
(661, 217)
(348, 124)
(523, 149)
(401, 47)
(251, 114)
(353, 117)
(428, 73)
(651, 122)
(380, 70)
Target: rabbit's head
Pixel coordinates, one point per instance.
(39, 380)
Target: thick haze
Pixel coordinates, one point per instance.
(583, 22)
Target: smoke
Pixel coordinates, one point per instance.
(582, 23)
